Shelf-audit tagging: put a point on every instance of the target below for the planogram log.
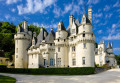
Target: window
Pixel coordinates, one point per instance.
(73, 30)
(58, 49)
(71, 38)
(100, 58)
(92, 35)
(83, 35)
(59, 61)
(44, 62)
(74, 62)
(83, 19)
(16, 50)
(84, 45)
(73, 49)
(16, 56)
(51, 62)
(59, 27)
(50, 44)
(83, 60)
(83, 26)
(32, 56)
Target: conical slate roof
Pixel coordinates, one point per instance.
(109, 46)
(86, 17)
(50, 38)
(77, 22)
(62, 26)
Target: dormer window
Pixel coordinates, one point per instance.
(59, 27)
(83, 26)
(73, 30)
(83, 19)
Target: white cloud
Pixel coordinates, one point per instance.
(116, 49)
(98, 15)
(100, 31)
(12, 1)
(7, 16)
(113, 32)
(107, 8)
(116, 4)
(93, 1)
(112, 37)
(33, 6)
(57, 11)
(67, 8)
(108, 15)
(13, 9)
(52, 25)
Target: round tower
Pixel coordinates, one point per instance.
(61, 56)
(22, 43)
(86, 45)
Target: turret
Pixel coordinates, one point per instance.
(23, 39)
(61, 31)
(61, 56)
(71, 19)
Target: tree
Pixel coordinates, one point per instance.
(117, 59)
(7, 32)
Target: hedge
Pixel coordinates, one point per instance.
(51, 71)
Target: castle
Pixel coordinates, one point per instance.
(71, 47)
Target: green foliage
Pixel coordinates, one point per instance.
(6, 79)
(117, 59)
(97, 65)
(105, 65)
(52, 71)
(34, 28)
(7, 32)
(96, 44)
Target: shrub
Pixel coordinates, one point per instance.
(52, 71)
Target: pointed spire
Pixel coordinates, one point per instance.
(109, 46)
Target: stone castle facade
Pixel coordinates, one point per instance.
(71, 47)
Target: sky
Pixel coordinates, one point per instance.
(47, 14)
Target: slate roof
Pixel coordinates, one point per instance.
(87, 20)
(109, 46)
(50, 38)
(62, 26)
(77, 22)
(41, 37)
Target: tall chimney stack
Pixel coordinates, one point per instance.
(111, 44)
(71, 19)
(25, 26)
(90, 14)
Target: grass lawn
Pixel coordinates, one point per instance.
(6, 79)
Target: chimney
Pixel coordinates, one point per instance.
(25, 25)
(71, 18)
(90, 14)
(111, 44)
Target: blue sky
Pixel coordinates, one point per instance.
(47, 13)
